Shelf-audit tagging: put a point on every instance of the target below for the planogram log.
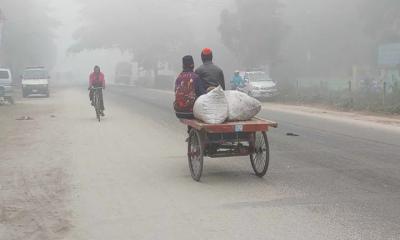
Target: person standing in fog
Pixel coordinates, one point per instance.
(211, 75)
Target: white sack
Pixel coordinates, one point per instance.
(241, 106)
(212, 108)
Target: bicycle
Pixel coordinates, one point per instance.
(97, 101)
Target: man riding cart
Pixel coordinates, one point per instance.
(220, 123)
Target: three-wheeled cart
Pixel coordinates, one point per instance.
(231, 139)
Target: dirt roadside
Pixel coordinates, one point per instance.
(385, 121)
(34, 190)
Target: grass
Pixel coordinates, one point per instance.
(343, 99)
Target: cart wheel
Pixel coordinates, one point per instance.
(195, 154)
(260, 158)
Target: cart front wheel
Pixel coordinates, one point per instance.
(195, 154)
(260, 158)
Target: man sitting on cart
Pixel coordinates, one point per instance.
(188, 87)
(210, 74)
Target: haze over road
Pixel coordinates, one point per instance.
(128, 177)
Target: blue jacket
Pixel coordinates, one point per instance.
(237, 81)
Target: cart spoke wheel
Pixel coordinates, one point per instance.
(195, 154)
(260, 157)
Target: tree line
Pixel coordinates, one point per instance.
(293, 37)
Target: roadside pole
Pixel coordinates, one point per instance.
(384, 94)
(351, 93)
(298, 90)
(1, 29)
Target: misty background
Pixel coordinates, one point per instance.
(325, 52)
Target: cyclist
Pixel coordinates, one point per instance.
(97, 80)
(237, 81)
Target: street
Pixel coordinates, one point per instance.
(63, 175)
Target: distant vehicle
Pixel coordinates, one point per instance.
(6, 89)
(123, 73)
(259, 84)
(35, 80)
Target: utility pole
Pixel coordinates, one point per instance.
(2, 18)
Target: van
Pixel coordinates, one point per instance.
(35, 80)
(123, 73)
(6, 89)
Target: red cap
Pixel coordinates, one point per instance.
(206, 51)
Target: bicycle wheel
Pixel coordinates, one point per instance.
(260, 158)
(97, 105)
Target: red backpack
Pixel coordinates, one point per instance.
(185, 93)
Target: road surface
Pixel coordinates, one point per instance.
(65, 176)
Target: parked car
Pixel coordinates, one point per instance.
(35, 80)
(259, 84)
(6, 89)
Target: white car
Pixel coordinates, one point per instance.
(6, 89)
(35, 80)
(259, 84)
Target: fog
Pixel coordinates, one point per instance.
(311, 42)
(286, 127)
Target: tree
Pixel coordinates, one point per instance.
(382, 19)
(254, 32)
(325, 41)
(154, 35)
(28, 37)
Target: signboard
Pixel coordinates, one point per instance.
(389, 54)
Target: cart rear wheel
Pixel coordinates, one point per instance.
(260, 158)
(195, 154)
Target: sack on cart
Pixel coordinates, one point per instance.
(212, 108)
(241, 106)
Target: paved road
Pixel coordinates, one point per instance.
(337, 177)
(127, 178)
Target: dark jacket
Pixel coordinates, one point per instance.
(211, 75)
